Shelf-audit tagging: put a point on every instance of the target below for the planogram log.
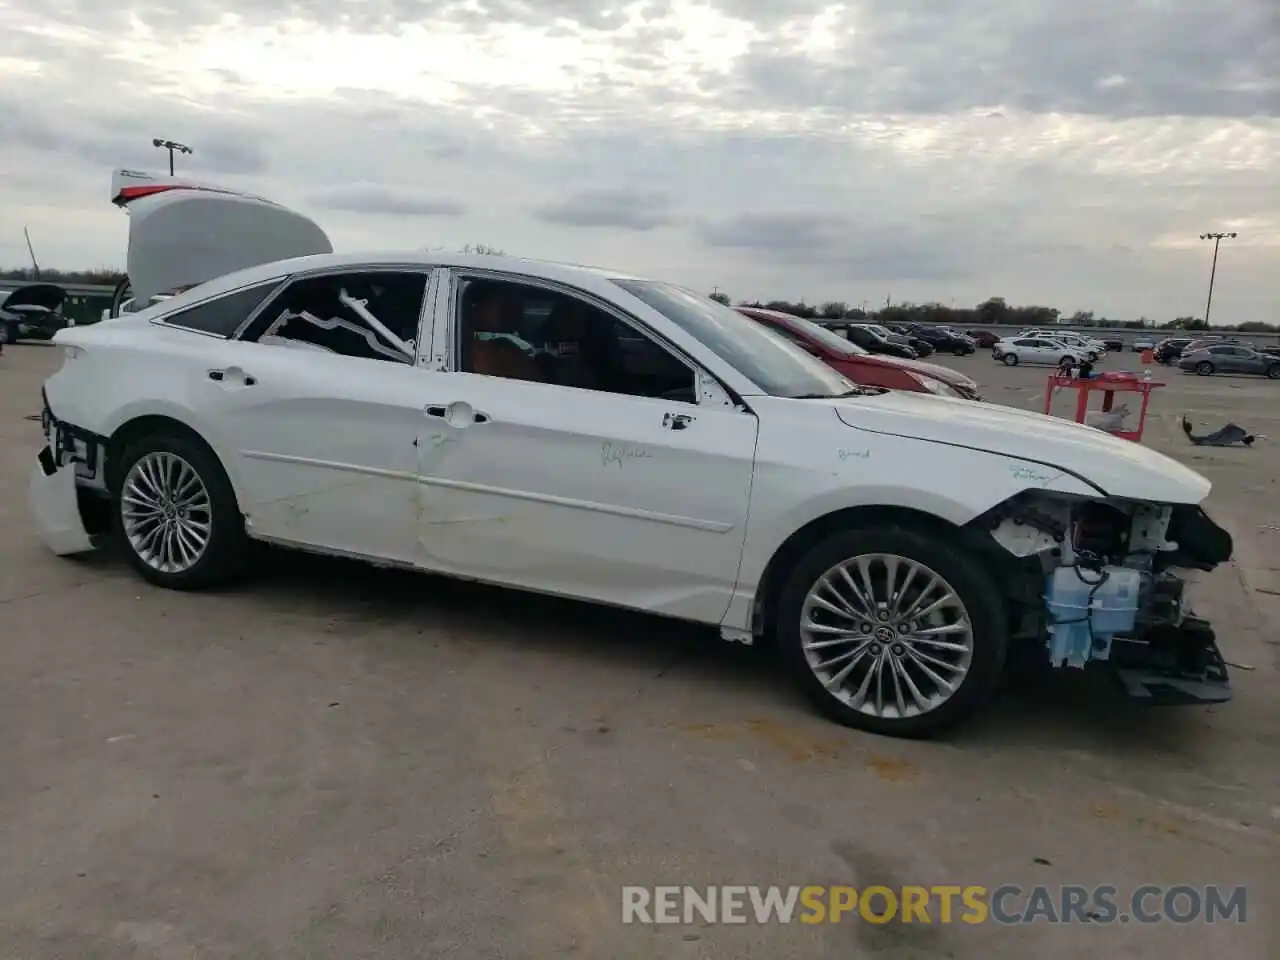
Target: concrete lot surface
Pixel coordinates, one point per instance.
(332, 761)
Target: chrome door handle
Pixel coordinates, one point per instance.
(459, 413)
(676, 421)
(237, 376)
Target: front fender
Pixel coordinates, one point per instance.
(803, 475)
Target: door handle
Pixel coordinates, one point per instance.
(459, 413)
(676, 421)
(237, 375)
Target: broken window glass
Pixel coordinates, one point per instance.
(372, 316)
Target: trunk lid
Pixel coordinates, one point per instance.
(184, 232)
(35, 298)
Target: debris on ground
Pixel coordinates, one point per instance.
(1109, 420)
(1227, 436)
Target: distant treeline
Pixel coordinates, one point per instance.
(102, 276)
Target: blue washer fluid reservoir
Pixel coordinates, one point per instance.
(1077, 633)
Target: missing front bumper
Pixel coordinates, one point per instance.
(1179, 665)
(55, 506)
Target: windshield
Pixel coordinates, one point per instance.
(769, 360)
(829, 338)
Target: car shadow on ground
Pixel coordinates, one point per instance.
(1036, 707)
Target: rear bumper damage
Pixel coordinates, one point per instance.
(67, 475)
(55, 506)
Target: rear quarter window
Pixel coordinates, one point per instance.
(222, 315)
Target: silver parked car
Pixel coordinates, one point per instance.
(1230, 358)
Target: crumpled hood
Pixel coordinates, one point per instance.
(1118, 467)
(36, 296)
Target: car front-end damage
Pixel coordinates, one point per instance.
(1104, 582)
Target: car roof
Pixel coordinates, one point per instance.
(577, 275)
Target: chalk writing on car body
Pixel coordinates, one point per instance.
(612, 453)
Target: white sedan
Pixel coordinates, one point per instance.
(1088, 347)
(661, 452)
(1018, 350)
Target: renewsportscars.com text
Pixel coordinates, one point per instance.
(1008, 904)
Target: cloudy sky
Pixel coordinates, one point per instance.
(1066, 152)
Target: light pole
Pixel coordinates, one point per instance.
(1217, 238)
(171, 146)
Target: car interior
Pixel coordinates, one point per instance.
(526, 332)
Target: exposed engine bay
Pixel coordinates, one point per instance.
(1106, 581)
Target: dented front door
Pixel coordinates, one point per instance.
(636, 501)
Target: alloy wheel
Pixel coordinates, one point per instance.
(166, 512)
(887, 636)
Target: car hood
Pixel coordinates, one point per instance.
(36, 297)
(1119, 468)
(935, 370)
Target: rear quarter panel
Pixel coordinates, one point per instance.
(126, 370)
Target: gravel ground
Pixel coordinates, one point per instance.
(333, 761)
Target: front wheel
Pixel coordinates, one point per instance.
(1273, 371)
(888, 629)
(1093, 356)
(8, 332)
(1204, 368)
(177, 515)
(1010, 359)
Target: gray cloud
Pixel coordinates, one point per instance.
(1040, 150)
(625, 209)
(373, 198)
(1127, 58)
(846, 249)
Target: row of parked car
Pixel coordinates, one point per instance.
(1048, 346)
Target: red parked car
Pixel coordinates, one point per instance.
(860, 366)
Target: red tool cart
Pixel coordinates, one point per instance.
(1108, 384)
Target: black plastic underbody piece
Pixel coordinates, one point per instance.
(1176, 665)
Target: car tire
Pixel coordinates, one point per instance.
(1273, 371)
(8, 332)
(1010, 359)
(976, 651)
(1093, 356)
(225, 548)
(1204, 368)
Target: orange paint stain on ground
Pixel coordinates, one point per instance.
(893, 769)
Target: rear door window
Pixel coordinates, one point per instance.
(371, 315)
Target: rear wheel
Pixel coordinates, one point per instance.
(1010, 359)
(177, 515)
(890, 630)
(1204, 368)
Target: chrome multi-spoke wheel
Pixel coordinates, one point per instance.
(886, 635)
(166, 512)
(895, 628)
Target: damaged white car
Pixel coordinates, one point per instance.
(654, 450)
